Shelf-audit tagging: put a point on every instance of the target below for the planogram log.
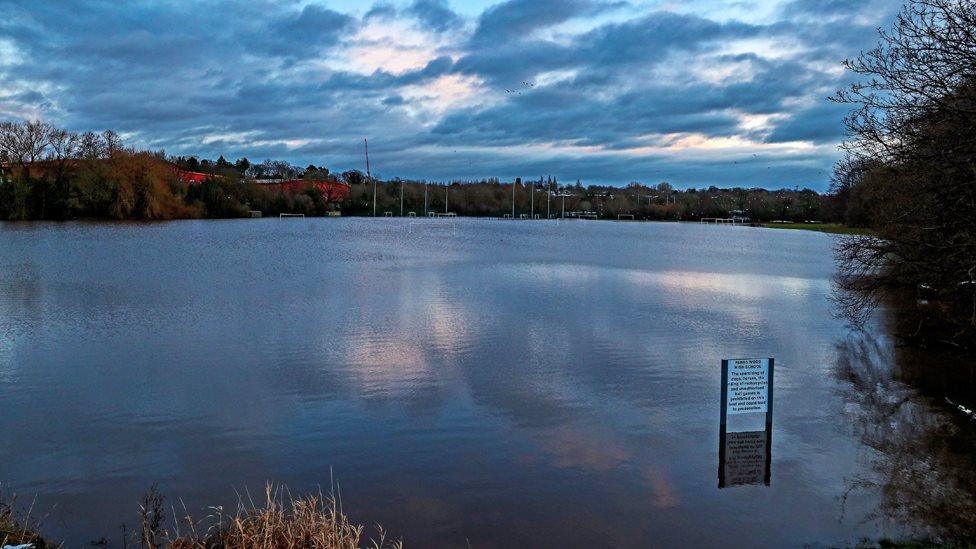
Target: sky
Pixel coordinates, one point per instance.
(693, 92)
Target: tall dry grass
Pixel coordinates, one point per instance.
(280, 521)
(14, 531)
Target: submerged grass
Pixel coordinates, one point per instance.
(832, 228)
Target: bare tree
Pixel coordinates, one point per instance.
(64, 145)
(910, 157)
(24, 142)
(112, 141)
(91, 146)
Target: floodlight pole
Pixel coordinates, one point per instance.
(425, 199)
(369, 175)
(532, 202)
(513, 200)
(548, 196)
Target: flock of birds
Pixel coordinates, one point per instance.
(518, 89)
(736, 162)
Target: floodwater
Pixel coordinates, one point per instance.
(464, 382)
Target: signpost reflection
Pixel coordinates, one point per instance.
(744, 458)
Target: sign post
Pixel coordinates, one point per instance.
(747, 388)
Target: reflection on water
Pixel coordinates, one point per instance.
(483, 383)
(923, 458)
(745, 458)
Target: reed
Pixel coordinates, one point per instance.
(14, 531)
(280, 521)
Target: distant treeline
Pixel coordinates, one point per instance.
(51, 173)
(910, 174)
(659, 202)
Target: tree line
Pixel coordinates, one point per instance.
(547, 197)
(51, 173)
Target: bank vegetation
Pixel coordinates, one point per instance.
(277, 520)
(50, 173)
(910, 175)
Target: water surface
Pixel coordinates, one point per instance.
(475, 382)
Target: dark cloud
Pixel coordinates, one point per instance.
(515, 19)
(833, 8)
(381, 11)
(305, 33)
(654, 36)
(820, 123)
(435, 14)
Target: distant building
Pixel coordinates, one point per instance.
(192, 178)
(333, 191)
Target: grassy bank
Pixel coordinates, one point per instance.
(832, 228)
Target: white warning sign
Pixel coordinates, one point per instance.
(748, 386)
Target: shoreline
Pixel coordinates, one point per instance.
(827, 228)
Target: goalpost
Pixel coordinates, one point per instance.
(621, 217)
(282, 216)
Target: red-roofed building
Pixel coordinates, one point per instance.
(192, 178)
(333, 191)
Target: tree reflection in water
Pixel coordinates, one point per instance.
(924, 456)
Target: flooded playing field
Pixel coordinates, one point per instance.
(491, 383)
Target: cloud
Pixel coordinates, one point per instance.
(435, 14)
(516, 19)
(821, 122)
(604, 91)
(305, 33)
